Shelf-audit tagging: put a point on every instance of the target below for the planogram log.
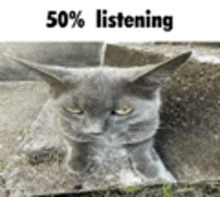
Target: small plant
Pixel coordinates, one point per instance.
(168, 192)
(132, 188)
(185, 189)
(3, 165)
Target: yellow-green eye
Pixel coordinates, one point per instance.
(74, 110)
(124, 109)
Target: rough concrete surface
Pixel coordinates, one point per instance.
(67, 54)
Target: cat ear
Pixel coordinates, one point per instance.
(55, 76)
(154, 75)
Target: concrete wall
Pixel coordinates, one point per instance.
(63, 54)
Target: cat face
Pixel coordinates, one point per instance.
(103, 106)
(111, 105)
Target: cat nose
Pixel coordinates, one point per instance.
(94, 126)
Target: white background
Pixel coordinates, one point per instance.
(24, 20)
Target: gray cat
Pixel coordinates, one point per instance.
(103, 110)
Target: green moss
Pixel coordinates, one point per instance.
(172, 191)
(132, 188)
(3, 165)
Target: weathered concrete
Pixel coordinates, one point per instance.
(67, 54)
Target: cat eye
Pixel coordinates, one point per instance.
(74, 110)
(123, 110)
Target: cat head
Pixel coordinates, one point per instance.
(119, 105)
